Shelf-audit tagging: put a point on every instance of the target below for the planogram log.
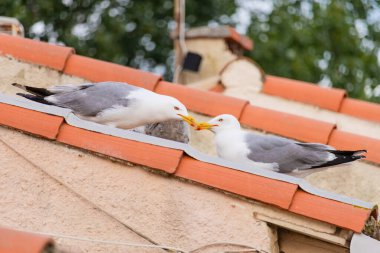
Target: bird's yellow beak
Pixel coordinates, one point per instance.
(189, 120)
(204, 126)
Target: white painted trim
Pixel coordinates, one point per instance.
(360, 243)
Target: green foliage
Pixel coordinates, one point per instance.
(315, 41)
(372, 228)
(318, 41)
(133, 33)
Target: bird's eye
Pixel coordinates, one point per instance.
(220, 120)
(176, 108)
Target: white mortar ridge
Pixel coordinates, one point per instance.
(71, 119)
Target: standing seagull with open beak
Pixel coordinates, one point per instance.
(111, 103)
(272, 152)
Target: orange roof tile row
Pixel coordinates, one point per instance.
(100, 71)
(12, 241)
(244, 41)
(304, 92)
(327, 98)
(334, 212)
(288, 125)
(210, 103)
(35, 51)
(64, 59)
(245, 184)
(37, 123)
(343, 140)
(217, 88)
(361, 109)
(172, 161)
(206, 102)
(156, 157)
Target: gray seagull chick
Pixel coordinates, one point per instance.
(271, 152)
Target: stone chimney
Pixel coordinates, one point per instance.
(221, 48)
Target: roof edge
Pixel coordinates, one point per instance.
(73, 120)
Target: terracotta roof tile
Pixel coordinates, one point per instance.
(99, 71)
(361, 109)
(225, 32)
(161, 158)
(328, 98)
(12, 241)
(245, 184)
(30, 121)
(330, 211)
(343, 140)
(217, 88)
(287, 125)
(205, 102)
(244, 41)
(35, 51)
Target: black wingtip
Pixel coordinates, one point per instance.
(342, 157)
(34, 90)
(360, 152)
(35, 98)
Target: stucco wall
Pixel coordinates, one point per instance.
(49, 187)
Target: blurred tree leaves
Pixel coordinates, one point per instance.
(128, 32)
(332, 42)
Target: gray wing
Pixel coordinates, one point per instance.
(289, 155)
(91, 99)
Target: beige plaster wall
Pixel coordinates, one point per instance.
(50, 187)
(295, 243)
(13, 71)
(242, 73)
(32, 200)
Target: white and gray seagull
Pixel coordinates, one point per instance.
(272, 152)
(111, 103)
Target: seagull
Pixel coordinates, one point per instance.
(272, 152)
(115, 104)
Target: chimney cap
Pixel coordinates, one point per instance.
(223, 32)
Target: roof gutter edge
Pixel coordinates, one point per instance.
(73, 120)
